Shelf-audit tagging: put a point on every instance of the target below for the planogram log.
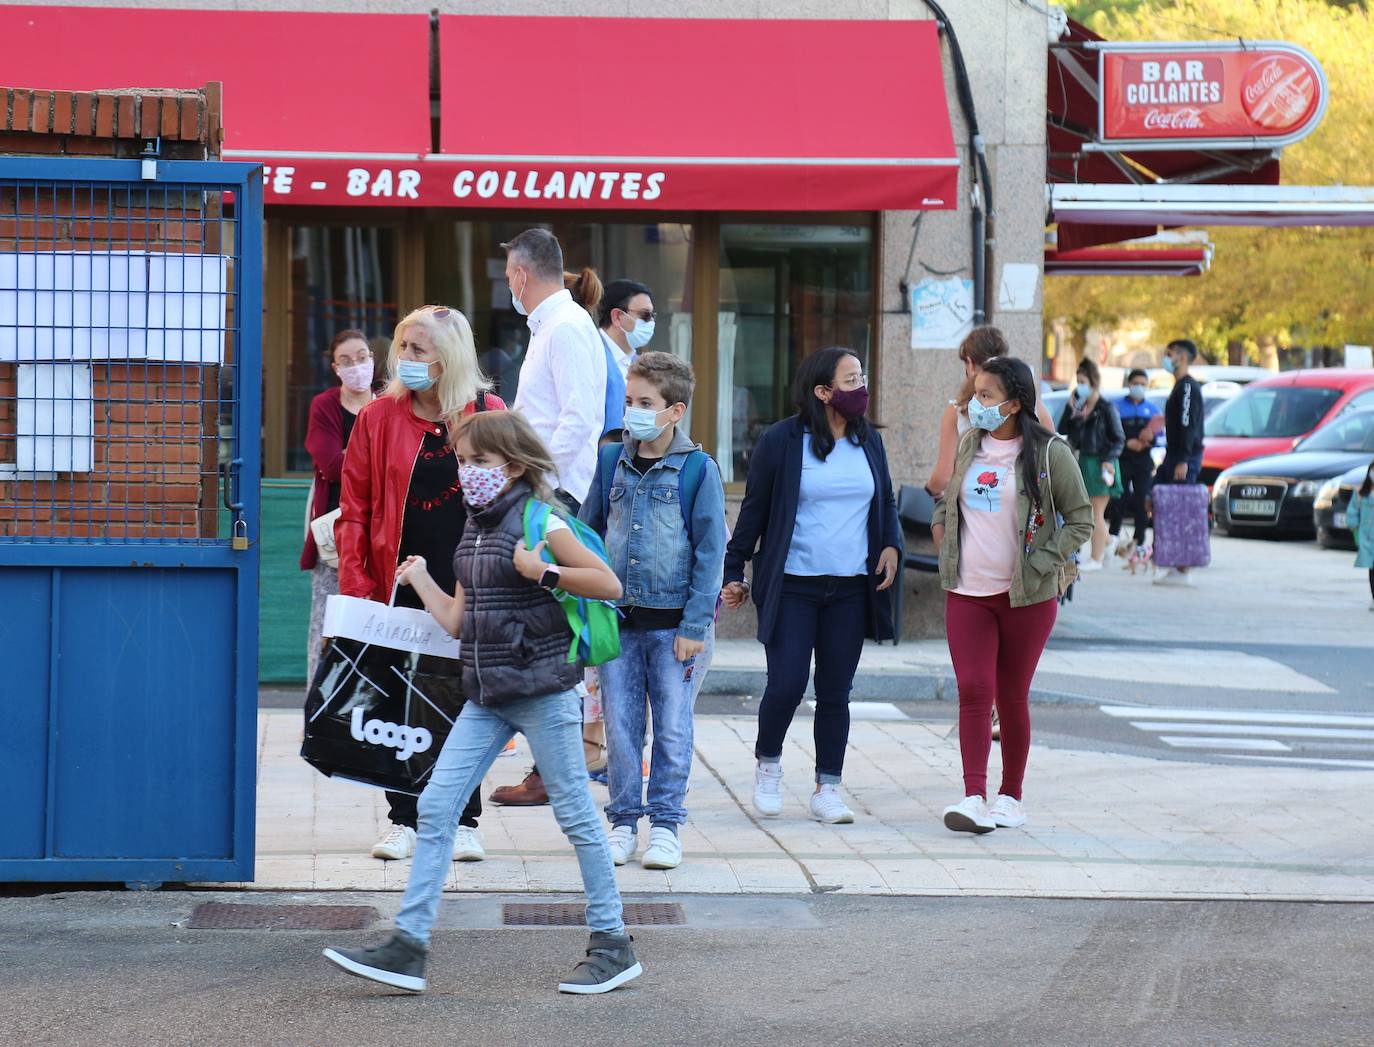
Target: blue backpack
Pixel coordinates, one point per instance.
(689, 479)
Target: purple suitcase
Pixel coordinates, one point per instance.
(1182, 535)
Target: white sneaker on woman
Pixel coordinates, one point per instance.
(399, 843)
(768, 789)
(467, 845)
(969, 815)
(1007, 812)
(826, 806)
(1089, 565)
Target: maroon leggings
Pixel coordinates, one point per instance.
(995, 648)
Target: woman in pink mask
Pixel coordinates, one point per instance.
(332, 415)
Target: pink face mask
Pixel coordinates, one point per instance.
(482, 486)
(358, 378)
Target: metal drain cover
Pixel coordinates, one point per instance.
(574, 914)
(222, 916)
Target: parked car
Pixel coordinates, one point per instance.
(1328, 511)
(1277, 494)
(1272, 415)
(1241, 375)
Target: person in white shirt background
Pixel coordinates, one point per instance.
(563, 379)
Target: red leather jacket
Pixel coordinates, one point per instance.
(377, 468)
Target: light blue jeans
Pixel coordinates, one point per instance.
(646, 665)
(553, 725)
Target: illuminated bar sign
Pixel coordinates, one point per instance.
(1256, 95)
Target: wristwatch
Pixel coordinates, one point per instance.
(549, 579)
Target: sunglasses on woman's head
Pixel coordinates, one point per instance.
(439, 311)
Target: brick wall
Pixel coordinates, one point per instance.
(155, 424)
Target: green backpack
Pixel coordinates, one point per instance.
(595, 624)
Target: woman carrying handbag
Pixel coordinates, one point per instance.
(1004, 558)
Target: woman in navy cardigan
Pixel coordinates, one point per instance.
(820, 523)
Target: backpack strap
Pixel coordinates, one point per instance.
(535, 521)
(689, 479)
(610, 457)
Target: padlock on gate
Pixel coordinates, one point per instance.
(240, 542)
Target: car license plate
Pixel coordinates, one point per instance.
(1339, 522)
(1253, 507)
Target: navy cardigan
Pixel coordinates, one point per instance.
(763, 532)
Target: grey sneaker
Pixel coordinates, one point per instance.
(399, 962)
(610, 963)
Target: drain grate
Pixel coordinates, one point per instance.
(574, 914)
(222, 916)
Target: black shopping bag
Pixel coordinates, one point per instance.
(385, 694)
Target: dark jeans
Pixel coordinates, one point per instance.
(1165, 475)
(1371, 582)
(405, 809)
(1137, 477)
(824, 616)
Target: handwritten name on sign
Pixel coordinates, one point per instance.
(399, 628)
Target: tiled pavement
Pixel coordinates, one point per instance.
(1102, 825)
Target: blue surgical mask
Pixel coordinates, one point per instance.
(1084, 390)
(642, 424)
(515, 302)
(988, 418)
(1137, 393)
(414, 375)
(640, 335)
(1169, 364)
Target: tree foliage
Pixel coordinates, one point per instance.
(1307, 287)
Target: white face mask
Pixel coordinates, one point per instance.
(641, 334)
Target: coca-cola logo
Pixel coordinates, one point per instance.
(1173, 120)
(1279, 92)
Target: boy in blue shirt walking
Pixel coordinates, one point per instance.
(659, 501)
(1139, 422)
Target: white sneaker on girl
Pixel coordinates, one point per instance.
(768, 789)
(826, 806)
(1007, 812)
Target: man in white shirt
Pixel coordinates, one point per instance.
(563, 379)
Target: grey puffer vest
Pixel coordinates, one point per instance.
(515, 635)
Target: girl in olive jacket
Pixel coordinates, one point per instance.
(1014, 512)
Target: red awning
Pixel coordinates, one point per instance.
(1128, 261)
(294, 83)
(1071, 121)
(693, 114)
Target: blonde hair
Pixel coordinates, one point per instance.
(506, 434)
(462, 380)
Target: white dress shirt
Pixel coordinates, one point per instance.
(562, 390)
(619, 355)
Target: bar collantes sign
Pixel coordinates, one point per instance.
(1252, 94)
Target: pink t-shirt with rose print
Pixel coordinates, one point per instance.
(989, 530)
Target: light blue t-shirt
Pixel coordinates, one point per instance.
(831, 533)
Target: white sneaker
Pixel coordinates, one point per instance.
(1089, 565)
(768, 789)
(970, 815)
(1173, 576)
(664, 850)
(828, 807)
(1113, 540)
(1007, 812)
(624, 842)
(397, 844)
(467, 845)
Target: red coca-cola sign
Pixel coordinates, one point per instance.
(1160, 96)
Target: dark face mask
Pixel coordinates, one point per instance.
(851, 403)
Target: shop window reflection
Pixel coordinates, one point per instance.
(785, 292)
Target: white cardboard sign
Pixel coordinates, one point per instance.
(400, 628)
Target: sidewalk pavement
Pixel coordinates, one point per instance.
(1102, 826)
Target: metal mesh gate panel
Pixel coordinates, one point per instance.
(118, 329)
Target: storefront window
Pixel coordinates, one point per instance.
(341, 277)
(466, 267)
(785, 292)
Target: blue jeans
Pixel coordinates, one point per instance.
(825, 616)
(553, 725)
(646, 665)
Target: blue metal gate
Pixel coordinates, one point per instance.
(130, 389)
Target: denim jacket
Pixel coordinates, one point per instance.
(646, 536)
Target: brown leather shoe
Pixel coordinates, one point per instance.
(529, 793)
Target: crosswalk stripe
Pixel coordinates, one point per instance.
(1277, 730)
(1137, 712)
(1264, 744)
(1313, 760)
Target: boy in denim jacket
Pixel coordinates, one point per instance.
(659, 501)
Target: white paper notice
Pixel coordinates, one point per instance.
(941, 313)
(1016, 291)
(1359, 356)
(400, 628)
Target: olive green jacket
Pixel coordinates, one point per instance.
(1049, 544)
